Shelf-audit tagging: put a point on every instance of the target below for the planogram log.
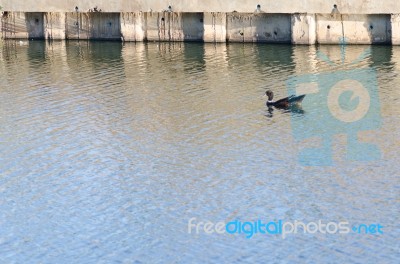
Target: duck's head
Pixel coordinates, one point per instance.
(270, 95)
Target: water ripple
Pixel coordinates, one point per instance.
(107, 149)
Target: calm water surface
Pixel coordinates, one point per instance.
(108, 149)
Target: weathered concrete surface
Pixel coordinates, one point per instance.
(246, 6)
(395, 27)
(239, 27)
(353, 29)
(329, 29)
(303, 29)
(105, 26)
(298, 28)
(132, 26)
(19, 25)
(164, 26)
(171, 26)
(367, 29)
(152, 21)
(93, 26)
(54, 26)
(258, 27)
(77, 26)
(214, 27)
(193, 26)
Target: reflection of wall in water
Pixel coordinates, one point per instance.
(100, 57)
(36, 53)
(193, 57)
(108, 51)
(275, 55)
(382, 56)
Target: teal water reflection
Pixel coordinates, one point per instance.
(108, 149)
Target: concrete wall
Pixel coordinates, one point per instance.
(54, 25)
(171, 26)
(264, 23)
(354, 29)
(93, 26)
(395, 29)
(20, 25)
(303, 28)
(258, 27)
(245, 6)
(214, 27)
(132, 26)
(77, 26)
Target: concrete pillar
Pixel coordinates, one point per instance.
(132, 26)
(54, 25)
(303, 29)
(395, 29)
(214, 27)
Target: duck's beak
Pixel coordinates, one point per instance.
(264, 95)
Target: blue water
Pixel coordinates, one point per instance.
(107, 150)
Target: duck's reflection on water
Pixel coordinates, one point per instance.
(294, 109)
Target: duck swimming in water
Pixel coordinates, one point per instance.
(284, 102)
